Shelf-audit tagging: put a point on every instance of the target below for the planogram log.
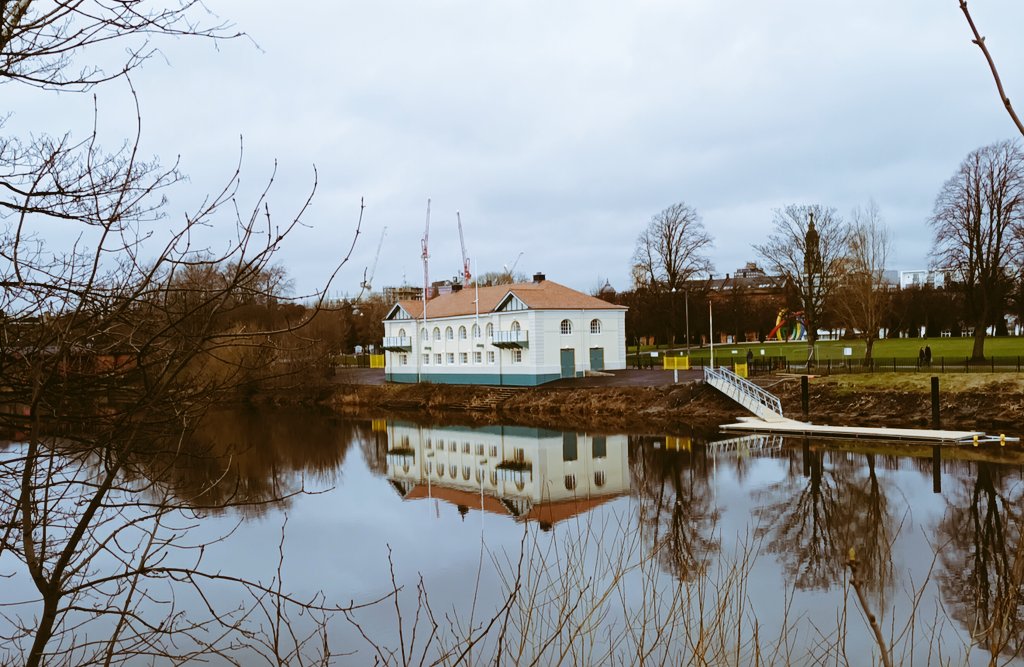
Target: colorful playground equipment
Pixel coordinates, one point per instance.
(789, 325)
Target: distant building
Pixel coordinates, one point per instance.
(750, 278)
(522, 334)
(402, 293)
(922, 278)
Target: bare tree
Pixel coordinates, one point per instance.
(980, 41)
(863, 300)
(807, 247)
(111, 349)
(671, 249)
(499, 278)
(978, 224)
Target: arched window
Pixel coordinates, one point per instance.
(595, 326)
(440, 470)
(437, 333)
(570, 482)
(424, 335)
(462, 333)
(430, 467)
(566, 327)
(449, 334)
(465, 473)
(453, 471)
(515, 326)
(490, 330)
(494, 478)
(401, 333)
(599, 478)
(476, 331)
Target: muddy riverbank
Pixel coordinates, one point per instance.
(993, 403)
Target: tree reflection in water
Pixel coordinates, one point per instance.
(247, 462)
(982, 558)
(829, 502)
(675, 505)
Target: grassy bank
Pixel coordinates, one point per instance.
(900, 348)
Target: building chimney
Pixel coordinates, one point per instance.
(538, 277)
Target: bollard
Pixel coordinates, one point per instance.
(1002, 439)
(936, 469)
(935, 402)
(805, 402)
(975, 440)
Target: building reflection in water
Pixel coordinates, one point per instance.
(530, 474)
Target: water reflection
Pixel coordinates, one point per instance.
(529, 474)
(249, 460)
(982, 557)
(684, 500)
(675, 502)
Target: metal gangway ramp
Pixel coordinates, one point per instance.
(765, 405)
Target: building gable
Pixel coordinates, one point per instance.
(510, 303)
(397, 312)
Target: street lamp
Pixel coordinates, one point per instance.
(672, 320)
(687, 296)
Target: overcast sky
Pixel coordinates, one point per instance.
(558, 128)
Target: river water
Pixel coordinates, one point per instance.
(522, 545)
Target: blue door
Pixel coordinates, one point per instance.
(568, 363)
(597, 358)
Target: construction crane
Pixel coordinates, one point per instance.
(466, 275)
(426, 257)
(511, 272)
(367, 283)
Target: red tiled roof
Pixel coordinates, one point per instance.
(544, 295)
(550, 512)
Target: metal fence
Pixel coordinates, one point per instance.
(766, 365)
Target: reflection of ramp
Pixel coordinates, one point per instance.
(763, 404)
(747, 445)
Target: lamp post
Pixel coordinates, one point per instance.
(672, 319)
(687, 297)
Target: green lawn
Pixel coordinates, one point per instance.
(951, 348)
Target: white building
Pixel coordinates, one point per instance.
(529, 474)
(922, 278)
(523, 334)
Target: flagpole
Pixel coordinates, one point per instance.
(711, 333)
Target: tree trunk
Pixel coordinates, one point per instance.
(979, 341)
(44, 631)
(869, 342)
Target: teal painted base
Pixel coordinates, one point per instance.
(493, 379)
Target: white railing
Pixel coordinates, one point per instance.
(746, 445)
(397, 343)
(510, 337)
(746, 393)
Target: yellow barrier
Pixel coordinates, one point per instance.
(379, 425)
(677, 443)
(376, 361)
(676, 363)
(740, 368)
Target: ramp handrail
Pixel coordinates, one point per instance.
(744, 388)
